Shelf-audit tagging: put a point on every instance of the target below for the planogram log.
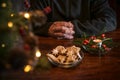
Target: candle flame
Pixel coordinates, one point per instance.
(97, 40)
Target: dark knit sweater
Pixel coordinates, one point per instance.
(88, 16)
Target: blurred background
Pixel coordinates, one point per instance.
(115, 4)
(19, 5)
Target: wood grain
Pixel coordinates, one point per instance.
(91, 68)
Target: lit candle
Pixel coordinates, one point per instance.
(97, 40)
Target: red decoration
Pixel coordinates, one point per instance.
(103, 35)
(47, 10)
(27, 47)
(104, 45)
(107, 49)
(27, 4)
(92, 37)
(86, 42)
(94, 46)
(22, 32)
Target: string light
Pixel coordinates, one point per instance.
(10, 24)
(27, 68)
(38, 54)
(3, 45)
(27, 15)
(12, 15)
(4, 5)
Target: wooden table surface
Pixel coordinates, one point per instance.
(91, 68)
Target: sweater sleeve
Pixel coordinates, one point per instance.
(102, 19)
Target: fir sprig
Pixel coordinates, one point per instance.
(95, 44)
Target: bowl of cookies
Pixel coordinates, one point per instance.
(65, 57)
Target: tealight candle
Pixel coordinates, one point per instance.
(97, 40)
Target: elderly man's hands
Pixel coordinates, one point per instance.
(62, 30)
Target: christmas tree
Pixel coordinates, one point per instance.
(17, 41)
(10, 25)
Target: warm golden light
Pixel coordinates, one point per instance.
(31, 34)
(12, 15)
(3, 45)
(27, 15)
(10, 24)
(97, 40)
(27, 68)
(4, 5)
(26, 27)
(38, 54)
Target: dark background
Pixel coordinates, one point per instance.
(115, 4)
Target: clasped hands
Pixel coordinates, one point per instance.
(62, 30)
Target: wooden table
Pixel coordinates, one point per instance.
(91, 68)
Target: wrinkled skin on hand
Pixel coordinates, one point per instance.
(62, 30)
